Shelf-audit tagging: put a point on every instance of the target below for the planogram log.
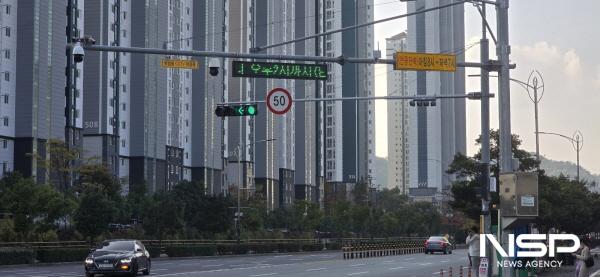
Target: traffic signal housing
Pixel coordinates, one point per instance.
(420, 102)
(236, 110)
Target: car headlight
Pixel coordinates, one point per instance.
(89, 261)
(126, 260)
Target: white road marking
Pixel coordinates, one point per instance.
(297, 259)
(387, 262)
(265, 274)
(212, 265)
(316, 269)
(394, 268)
(357, 273)
(409, 259)
(445, 261)
(425, 264)
(358, 264)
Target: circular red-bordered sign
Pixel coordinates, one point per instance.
(279, 101)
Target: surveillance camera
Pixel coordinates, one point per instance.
(78, 53)
(213, 66)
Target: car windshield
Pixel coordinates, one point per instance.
(117, 246)
(437, 239)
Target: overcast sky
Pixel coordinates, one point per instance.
(558, 38)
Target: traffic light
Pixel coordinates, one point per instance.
(423, 102)
(238, 110)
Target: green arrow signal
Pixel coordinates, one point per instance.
(240, 110)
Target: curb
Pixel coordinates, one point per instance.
(182, 258)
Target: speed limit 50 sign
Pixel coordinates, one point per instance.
(279, 101)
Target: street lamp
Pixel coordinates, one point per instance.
(576, 141)
(533, 84)
(238, 213)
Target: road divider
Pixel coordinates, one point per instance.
(359, 250)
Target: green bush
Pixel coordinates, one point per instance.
(263, 247)
(289, 247)
(9, 256)
(334, 246)
(57, 255)
(312, 247)
(232, 249)
(190, 250)
(154, 251)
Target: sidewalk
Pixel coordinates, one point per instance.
(569, 271)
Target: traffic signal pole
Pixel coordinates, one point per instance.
(485, 138)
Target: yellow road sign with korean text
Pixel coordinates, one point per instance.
(424, 61)
(185, 64)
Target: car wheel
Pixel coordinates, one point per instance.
(450, 252)
(87, 274)
(134, 270)
(147, 270)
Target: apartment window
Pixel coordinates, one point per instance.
(4, 167)
(5, 99)
(5, 121)
(186, 138)
(124, 70)
(124, 33)
(187, 26)
(187, 107)
(123, 124)
(7, 31)
(186, 155)
(7, 9)
(187, 123)
(124, 15)
(124, 88)
(7, 76)
(122, 143)
(4, 144)
(124, 106)
(7, 53)
(187, 10)
(187, 90)
(122, 161)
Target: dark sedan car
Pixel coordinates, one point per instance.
(438, 244)
(118, 257)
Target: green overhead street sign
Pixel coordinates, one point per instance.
(279, 70)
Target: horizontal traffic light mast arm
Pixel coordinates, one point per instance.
(194, 53)
(362, 98)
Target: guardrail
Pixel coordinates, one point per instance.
(162, 243)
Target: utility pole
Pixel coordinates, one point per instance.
(503, 52)
(485, 137)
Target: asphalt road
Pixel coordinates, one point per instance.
(300, 264)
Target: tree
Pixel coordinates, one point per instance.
(165, 216)
(97, 178)
(94, 214)
(464, 191)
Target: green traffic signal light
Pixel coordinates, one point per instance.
(251, 110)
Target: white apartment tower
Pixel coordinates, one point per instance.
(436, 133)
(397, 111)
(349, 126)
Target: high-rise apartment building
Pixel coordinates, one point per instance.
(397, 120)
(436, 133)
(106, 98)
(34, 61)
(349, 126)
(239, 131)
(206, 141)
(8, 69)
